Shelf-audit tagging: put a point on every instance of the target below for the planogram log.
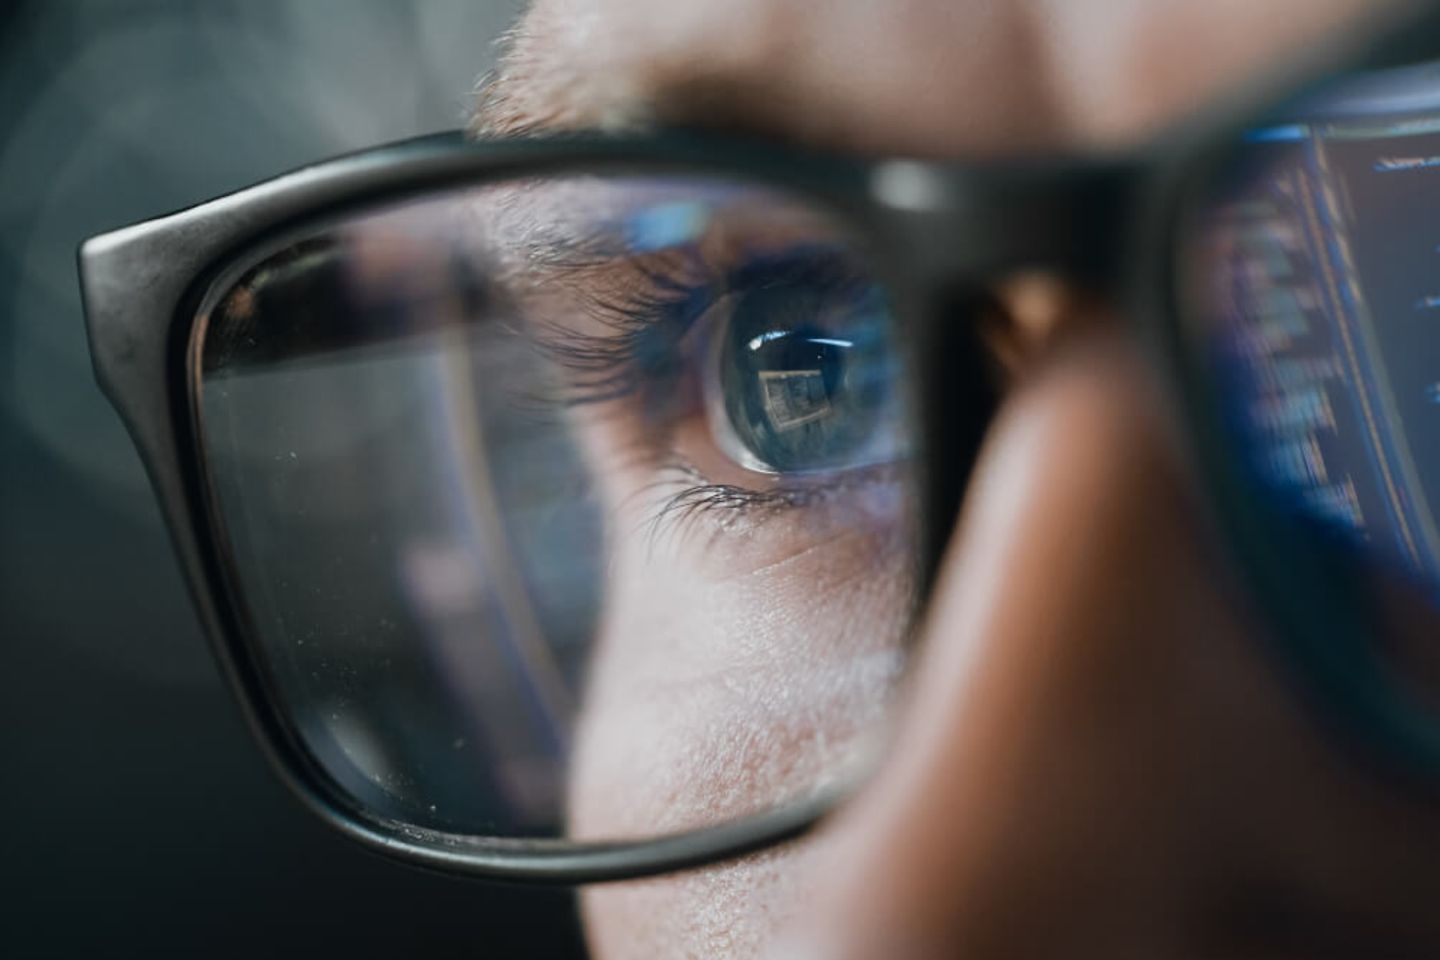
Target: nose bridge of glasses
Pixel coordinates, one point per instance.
(967, 226)
(998, 254)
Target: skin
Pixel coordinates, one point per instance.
(1095, 756)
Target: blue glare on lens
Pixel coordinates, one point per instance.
(1320, 276)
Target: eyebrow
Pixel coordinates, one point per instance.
(528, 92)
(531, 94)
(776, 70)
(543, 84)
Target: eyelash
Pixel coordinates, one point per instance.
(642, 351)
(702, 498)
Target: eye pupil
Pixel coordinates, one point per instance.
(804, 375)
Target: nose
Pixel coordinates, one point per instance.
(1097, 757)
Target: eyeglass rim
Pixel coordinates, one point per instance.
(141, 283)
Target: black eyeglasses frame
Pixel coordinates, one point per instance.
(1115, 224)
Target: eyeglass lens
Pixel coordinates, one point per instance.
(575, 505)
(1316, 285)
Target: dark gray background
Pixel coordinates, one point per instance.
(138, 818)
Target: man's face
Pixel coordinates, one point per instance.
(1094, 754)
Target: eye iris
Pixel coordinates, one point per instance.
(805, 376)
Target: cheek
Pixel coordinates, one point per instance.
(735, 672)
(732, 910)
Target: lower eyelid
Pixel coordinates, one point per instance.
(873, 491)
(670, 481)
(741, 532)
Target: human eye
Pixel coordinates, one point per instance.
(753, 372)
(803, 377)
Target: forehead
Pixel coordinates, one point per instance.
(926, 77)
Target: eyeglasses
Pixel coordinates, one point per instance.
(561, 508)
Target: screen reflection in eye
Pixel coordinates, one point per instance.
(749, 368)
(803, 379)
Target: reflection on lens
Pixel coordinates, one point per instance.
(1318, 267)
(568, 506)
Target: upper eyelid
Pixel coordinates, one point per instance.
(617, 232)
(645, 317)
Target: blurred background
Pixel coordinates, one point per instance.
(138, 817)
